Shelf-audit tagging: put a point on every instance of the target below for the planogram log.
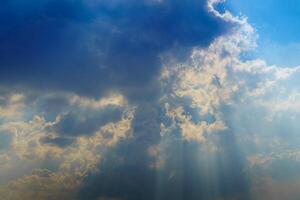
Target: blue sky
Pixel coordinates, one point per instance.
(278, 27)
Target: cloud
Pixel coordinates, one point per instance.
(269, 188)
(90, 47)
(73, 124)
(58, 163)
(189, 152)
(11, 106)
(202, 96)
(144, 100)
(195, 92)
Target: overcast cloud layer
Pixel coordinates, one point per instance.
(142, 100)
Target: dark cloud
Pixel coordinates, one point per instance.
(86, 122)
(50, 106)
(58, 141)
(92, 46)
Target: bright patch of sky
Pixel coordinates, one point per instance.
(278, 25)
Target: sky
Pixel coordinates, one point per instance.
(278, 27)
(149, 100)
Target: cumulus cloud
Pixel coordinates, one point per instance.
(198, 89)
